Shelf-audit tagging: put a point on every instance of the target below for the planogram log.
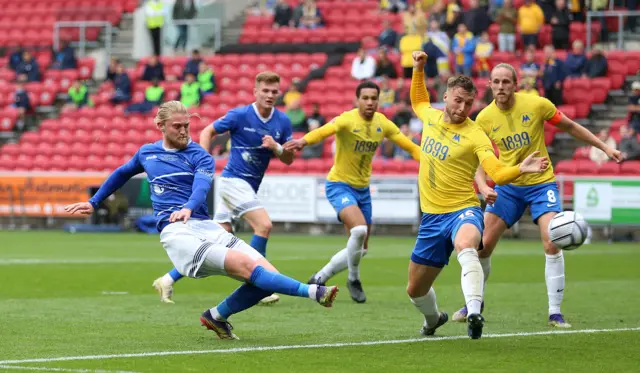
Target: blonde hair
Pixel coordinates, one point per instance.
(166, 110)
(509, 67)
(268, 77)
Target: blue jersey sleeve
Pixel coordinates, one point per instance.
(287, 131)
(202, 181)
(227, 123)
(117, 179)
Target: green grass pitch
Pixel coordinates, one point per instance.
(84, 303)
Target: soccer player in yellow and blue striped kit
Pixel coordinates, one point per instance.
(453, 147)
(359, 133)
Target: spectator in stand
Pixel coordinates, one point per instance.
(388, 37)
(122, 85)
(78, 95)
(403, 114)
(597, 155)
(476, 18)
(153, 70)
(314, 150)
(530, 68)
(553, 75)
(484, 50)
(153, 96)
(283, 15)
(297, 116)
(530, 22)
(384, 66)
(634, 106)
(409, 43)
(441, 40)
(387, 96)
(414, 19)
(433, 55)
(28, 70)
(193, 65)
(315, 119)
(183, 10)
(597, 65)
(576, 60)
(190, 94)
(206, 79)
(154, 11)
(402, 91)
(453, 17)
(464, 46)
(548, 8)
(64, 58)
(399, 153)
(393, 6)
(15, 59)
(293, 93)
(111, 69)
(577, 8)
(308, 15)
(363, 66)
(22, 103)
(629, 145)
(507, 17)
(528, 87)
(560, 21)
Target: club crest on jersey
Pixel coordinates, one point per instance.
(277, 134)
(455, 140)
(379, 129)
(527, 119)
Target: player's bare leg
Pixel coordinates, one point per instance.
(261, 224)
(423, 297)
(349, 257)
(494, 228)
(553, 273)
(466, 244)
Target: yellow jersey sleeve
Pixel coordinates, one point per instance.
(323, 132)
(418, 93)
(547, 108)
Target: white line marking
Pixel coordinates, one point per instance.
(325, 345)
(45, 369)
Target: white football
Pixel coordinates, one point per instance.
(568, 230)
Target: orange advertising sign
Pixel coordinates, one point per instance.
(42, 194)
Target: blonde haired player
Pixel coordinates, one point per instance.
(515, 122)
(452, 148)
(180, 174)
(359, 133)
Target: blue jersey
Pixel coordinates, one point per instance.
(177, 179)
(248, 159)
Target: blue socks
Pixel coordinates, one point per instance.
(274, 282)
(260, 244)
(244, 297)
(175, 275)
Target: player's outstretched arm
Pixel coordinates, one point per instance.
(312, 137)
(114, 182)
(406, 144)
(579, 132)
(506, 174)
(418, 92)
(206, 137)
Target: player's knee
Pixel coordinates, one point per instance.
(359, 232)
(239, 265)
(549, 247)
(416, 290)
(263, 228)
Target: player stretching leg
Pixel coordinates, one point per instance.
(180, 174)
(452, 148)
(257, 132)
(359, 132)
(515, 122)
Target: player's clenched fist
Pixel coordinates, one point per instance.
(419, 59)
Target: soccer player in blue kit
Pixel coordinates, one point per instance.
(257, 133)
(180, 174)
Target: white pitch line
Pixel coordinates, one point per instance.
(46, 369)
(312, 346)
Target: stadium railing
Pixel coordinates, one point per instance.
(603, 16)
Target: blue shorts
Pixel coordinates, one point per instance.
(513, 200)
(437, 233)
(341, 195)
